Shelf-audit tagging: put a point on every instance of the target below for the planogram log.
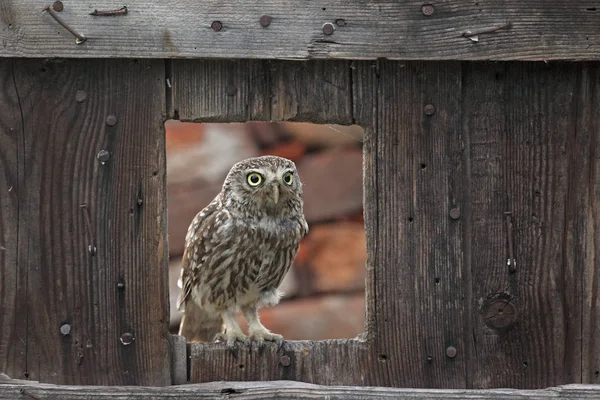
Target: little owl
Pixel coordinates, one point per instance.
(239, 248)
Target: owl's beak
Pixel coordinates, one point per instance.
(274, 193)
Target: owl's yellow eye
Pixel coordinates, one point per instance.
(254, 179)
(288, 178)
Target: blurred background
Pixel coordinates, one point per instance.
(324, 290)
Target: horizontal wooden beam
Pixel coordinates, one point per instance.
(11, 389)
(297, 29)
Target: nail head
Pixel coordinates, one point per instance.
(455, 213)
(429, 109)
(58, 6)
(92, 249)
(265, 21)
(65, 329)
(111, 120)
(328, 28)
(451, 351)
(427, 9)
(285, 361)
(103, 156)
(216, 26)
(121, 285)
(127, 338)
(429, 359)
(80, 96)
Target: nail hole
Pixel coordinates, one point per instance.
(155, 173)
(501, 310)
(26, 374)
(410, 219)
(524, 363)
(324, 8)
(241, 366)
(597, 373)
(423, 166)
(591, 9)
(437, 280)
(382, 357)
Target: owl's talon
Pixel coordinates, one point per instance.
(280, 345)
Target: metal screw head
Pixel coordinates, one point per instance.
(65, 329)
(127, 338)
(92, 249)
(111, 120)
(103, 156)
(340, 22)
(231, 90)
(58, 6)
(427, 9)
(265, 21)
(451, 351)
(285, 361)
(80, 96)
(328, 28)
(216, 26)
(429, 109)
(455, 213)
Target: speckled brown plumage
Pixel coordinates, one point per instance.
(240, 246)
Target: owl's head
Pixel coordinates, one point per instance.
(269, 183)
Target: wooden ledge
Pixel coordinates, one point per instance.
(12, 388)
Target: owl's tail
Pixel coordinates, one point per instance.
(197, 325)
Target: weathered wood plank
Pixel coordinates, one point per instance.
(509, 30)
(583, 206)
(13, 272)
(282, 389)
(419, 274)
(219, 90)
(521, 123)
(92, 235)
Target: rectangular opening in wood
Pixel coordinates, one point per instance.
(324, 290)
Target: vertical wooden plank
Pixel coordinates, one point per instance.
(219, 90)
(583, 241)
(94, 228)
(419, 273)
(315, 91)
(520, 119)
(13, 274)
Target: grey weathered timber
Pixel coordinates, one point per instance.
(10, 389)
(458, 30)
(83, 220)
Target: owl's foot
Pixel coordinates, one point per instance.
(261, 335)
(231, 338)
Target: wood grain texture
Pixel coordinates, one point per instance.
(283, 389)
(219, 90)
(522, 129)
(419, 290)
(85, 227)
(533, 30)
(13, 275)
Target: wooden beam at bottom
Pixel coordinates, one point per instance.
(12, 388)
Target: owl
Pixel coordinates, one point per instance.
(238, 250)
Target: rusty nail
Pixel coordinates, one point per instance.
(328, 28)
(429, 109)
(451, 351)
(455, 213)
(65, 329)
(285, 361)
(231, 90)
(80, 96)
(121, 11)
(216, 26)
(427, 9)
(265, 21)
(58, 6)
(340, 22)
(79, 38)
(127, 338)
(103, 156)
(111, 120)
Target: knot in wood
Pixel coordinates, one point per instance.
(499, 314)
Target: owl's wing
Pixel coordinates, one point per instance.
(195, 250)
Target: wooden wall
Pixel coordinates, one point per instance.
(451, 148)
